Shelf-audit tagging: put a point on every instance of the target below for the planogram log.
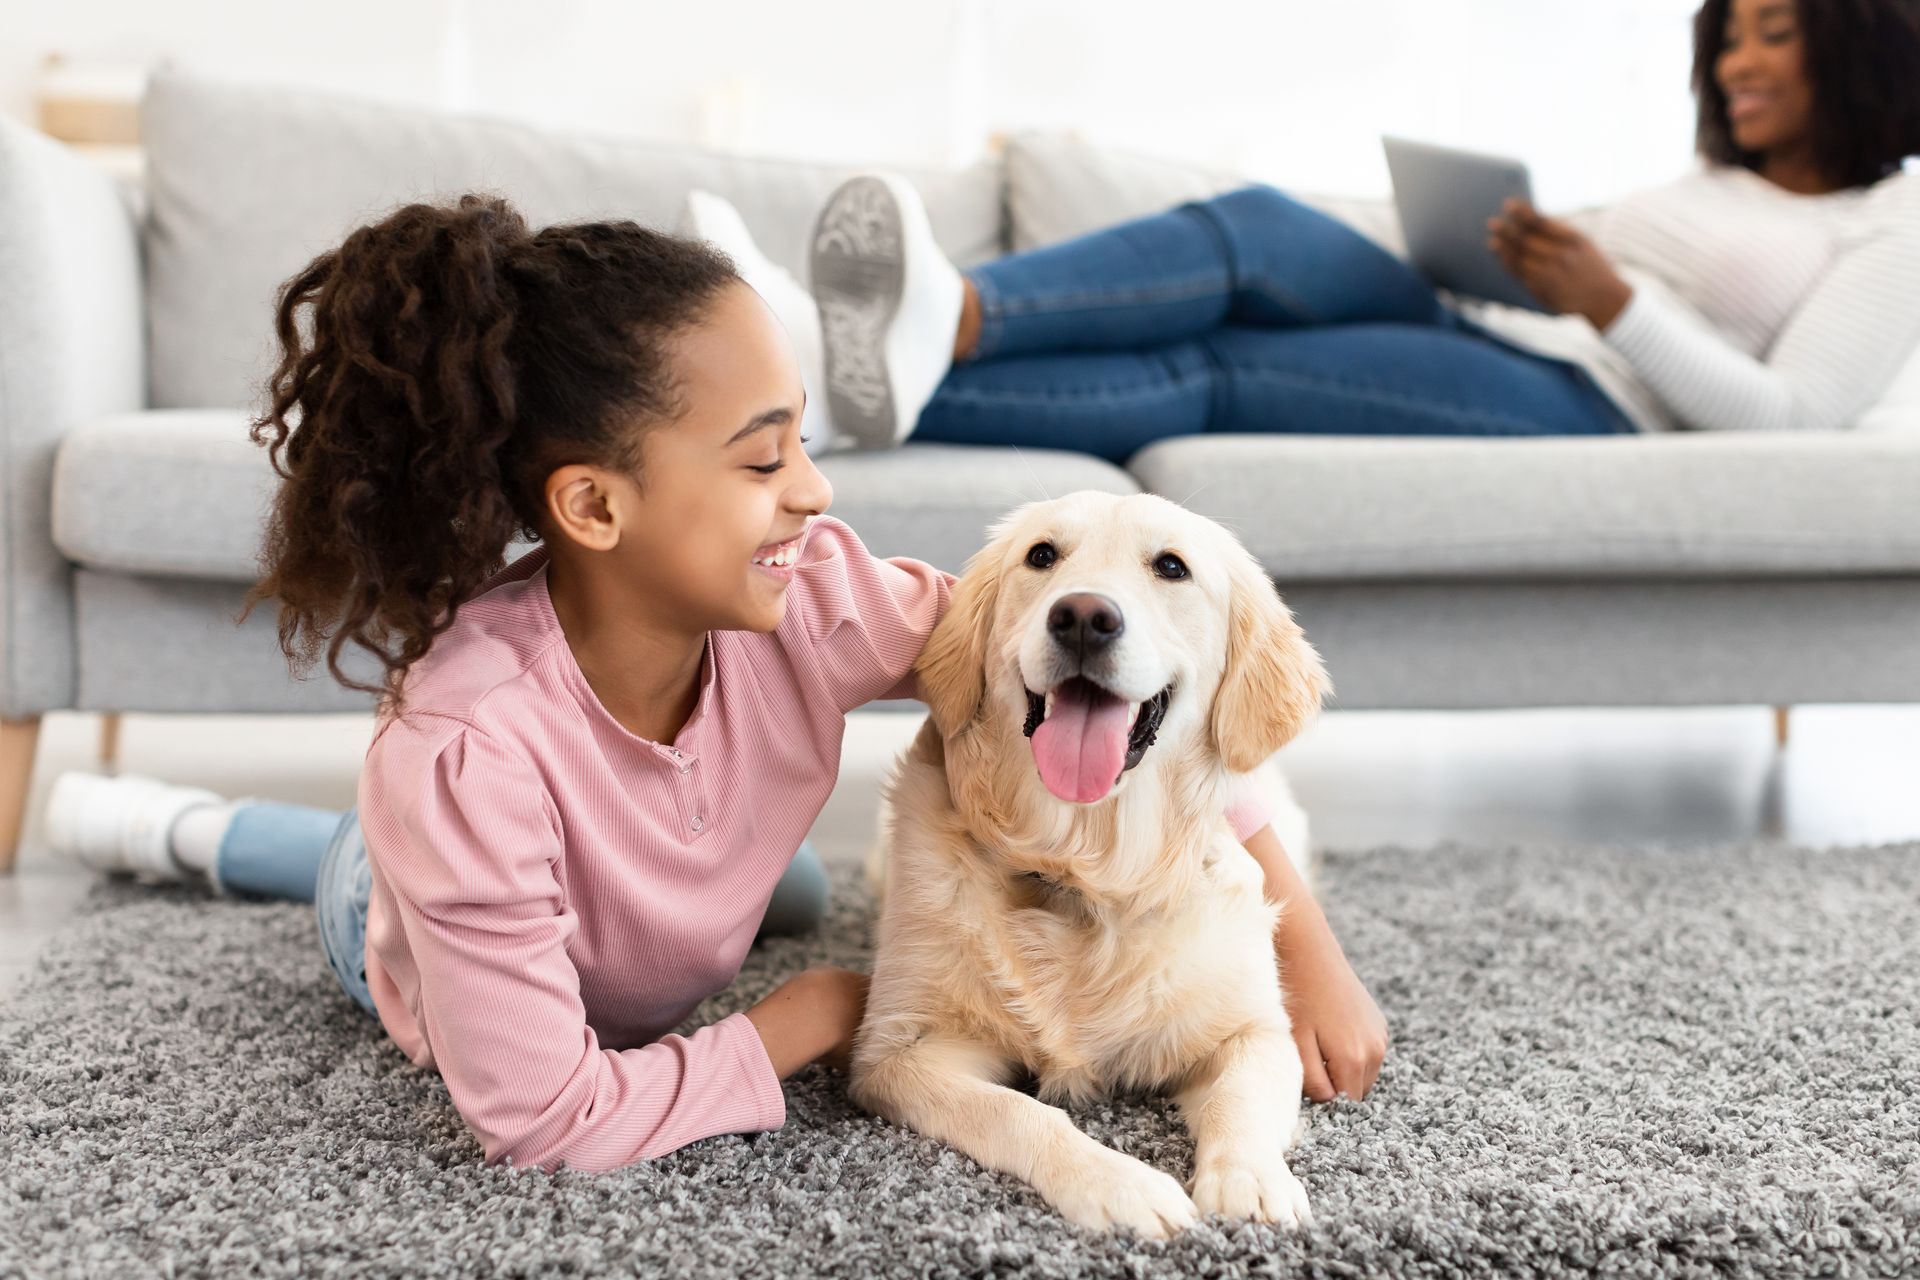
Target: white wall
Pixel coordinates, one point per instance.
(1593, 95)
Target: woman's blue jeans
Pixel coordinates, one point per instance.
(317, 855)
(1248, 312)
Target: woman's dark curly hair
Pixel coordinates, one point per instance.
(456, 359)
(1863, 66)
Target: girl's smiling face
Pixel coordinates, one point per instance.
(729, 483)
(722, 490)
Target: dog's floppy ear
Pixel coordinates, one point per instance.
(1274, 680)
(951, 670)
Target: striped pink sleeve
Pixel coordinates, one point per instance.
(866, 618)
(1248, 813)
(909, 685)
(471, 855)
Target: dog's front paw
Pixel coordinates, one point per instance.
(1109, 1189)
(1257, 1187)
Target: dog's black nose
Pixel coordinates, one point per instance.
(1084, 622)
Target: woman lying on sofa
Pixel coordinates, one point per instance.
(1775, 289)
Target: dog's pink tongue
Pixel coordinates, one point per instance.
(1082, 744)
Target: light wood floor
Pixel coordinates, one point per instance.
(1850, 775)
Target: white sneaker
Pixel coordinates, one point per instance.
(889, 307)
(714, 219)
(120, 823)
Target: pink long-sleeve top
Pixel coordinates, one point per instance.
(552, 894)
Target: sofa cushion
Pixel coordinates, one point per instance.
(185, 493)
(176, 492)
(935, 502)
(1329, 508)
(249, 182)
(1061, 185)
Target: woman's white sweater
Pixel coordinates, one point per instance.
(1753, 309)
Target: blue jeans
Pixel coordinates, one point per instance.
(318, 855)
(1249, 312)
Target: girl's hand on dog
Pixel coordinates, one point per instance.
(1337, 1027)
(1558, 264)
(847, 1004)
(811, 1017)
(1340, 1031)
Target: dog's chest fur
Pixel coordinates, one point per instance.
(1087, 1002)
(1097, 1005)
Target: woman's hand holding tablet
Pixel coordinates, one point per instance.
(1559, 265)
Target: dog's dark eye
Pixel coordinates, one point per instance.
(1169, 565)
(1041, 555)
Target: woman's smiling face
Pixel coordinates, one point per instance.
(1762, 70)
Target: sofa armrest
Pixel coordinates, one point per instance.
(72, 347)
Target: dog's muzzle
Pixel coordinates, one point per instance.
(1085, 735)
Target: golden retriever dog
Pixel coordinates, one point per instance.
(1065, 902)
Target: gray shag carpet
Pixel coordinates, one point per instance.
(1629, 1061)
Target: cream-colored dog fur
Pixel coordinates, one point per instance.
(1141, 956)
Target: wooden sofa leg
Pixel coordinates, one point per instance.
(1781, 726)
(110, 742)
(17, 741)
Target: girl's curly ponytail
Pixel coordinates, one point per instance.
(456, 359)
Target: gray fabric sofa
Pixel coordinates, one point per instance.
(1457, 573)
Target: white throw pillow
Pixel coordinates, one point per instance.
(1059, 185)
(714, 219)
(1898, 408)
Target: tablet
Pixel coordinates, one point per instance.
(1445, 197)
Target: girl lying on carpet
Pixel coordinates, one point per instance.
(592, 768)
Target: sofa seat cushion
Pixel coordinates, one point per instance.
(174, 492)
(185, 493)
(1331, 508)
